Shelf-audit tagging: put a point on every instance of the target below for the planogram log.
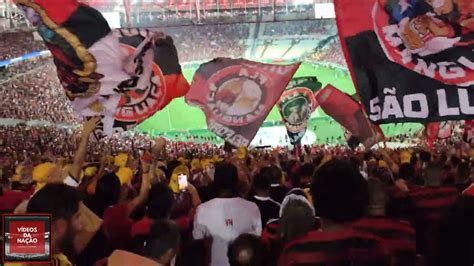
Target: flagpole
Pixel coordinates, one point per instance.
(384, 148)
(169, 118)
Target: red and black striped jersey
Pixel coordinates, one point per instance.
(269, 233)
(429, 203)
(341, 247)
(399, 237)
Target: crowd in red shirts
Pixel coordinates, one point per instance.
(298, 28)
(35, 95)
(330, 52)
(15, 44)
(205, 206)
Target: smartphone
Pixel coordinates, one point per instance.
(182, 182)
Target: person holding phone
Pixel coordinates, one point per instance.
(186, 196)
(182, 182)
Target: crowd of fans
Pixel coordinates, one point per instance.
(24, 142)
(305, 27)
(162, 204)
(133, 200)
(152, 17)
(204, 42)
(35, 95)
(330, 52)
(15, 44)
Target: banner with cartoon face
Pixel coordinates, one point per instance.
(296, 105)
(412, 60)
(236, 95)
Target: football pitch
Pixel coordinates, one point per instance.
(179, 120)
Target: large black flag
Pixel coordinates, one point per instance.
(412, 60)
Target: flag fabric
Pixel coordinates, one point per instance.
(351, 140)
(445, 129)
(236, 95)
(164, 80)
(349, 114)
(296, 105)
(438, 130)
(123, 83)
(432, 131)
(411, 60)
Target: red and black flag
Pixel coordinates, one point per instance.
(236, 95)
(411, 60)
(142, 98)
(122, 84)
(438, 130)
(445, 129)
(349, 114)
(431, 132)
(296, 105)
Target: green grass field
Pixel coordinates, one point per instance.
(179, 120)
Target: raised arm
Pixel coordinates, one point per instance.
(80, 154)
(145, 186)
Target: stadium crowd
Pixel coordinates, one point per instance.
(195, 43)
(330, 52)
(34, 94)
(131, 200)
(151, 17)
(15, 44)
(306, 27)
(201, 42)
(165, 204)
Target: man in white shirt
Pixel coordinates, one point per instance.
(226, 217)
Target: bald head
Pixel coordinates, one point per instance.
(246, 250)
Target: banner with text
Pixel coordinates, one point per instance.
(236, 95)
(411, 60)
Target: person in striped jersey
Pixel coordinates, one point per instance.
(340, 197)
(295, 220)
(428, 206)
(398, 235)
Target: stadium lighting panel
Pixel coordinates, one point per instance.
(324, 10)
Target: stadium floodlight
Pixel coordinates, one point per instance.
(303, 2)
(324, 10)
